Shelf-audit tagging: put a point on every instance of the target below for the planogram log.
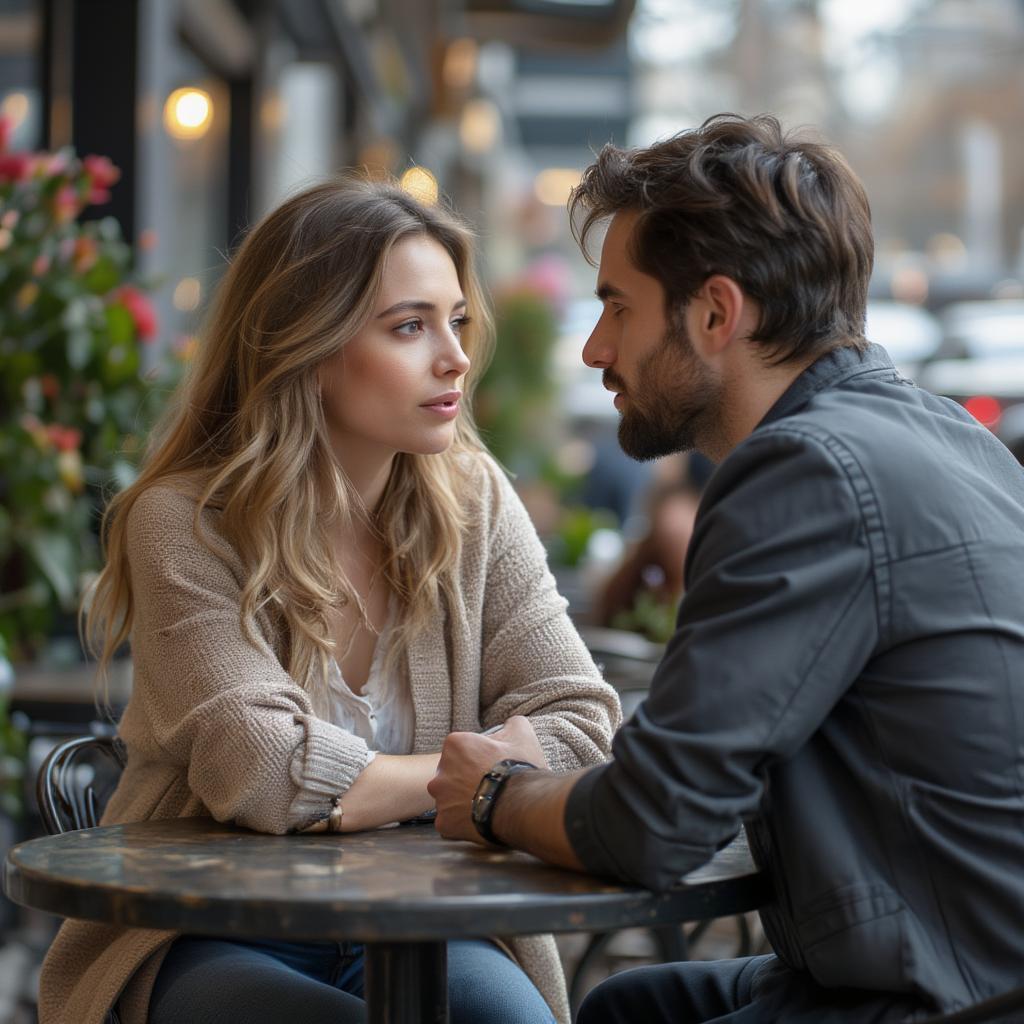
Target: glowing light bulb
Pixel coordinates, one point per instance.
(420, 184)
(188, 113)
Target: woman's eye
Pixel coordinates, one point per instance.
(459, 323)
(409, 328)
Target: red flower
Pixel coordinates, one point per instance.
(64, 439)
(102, 174)
(141, 309)
(6, 131)
(49, 385)
(15, 166)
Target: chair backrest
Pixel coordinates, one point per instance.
(76, 780)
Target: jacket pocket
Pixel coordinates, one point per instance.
(853, 936)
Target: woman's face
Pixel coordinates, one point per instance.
(396, 386)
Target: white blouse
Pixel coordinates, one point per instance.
(382, 714)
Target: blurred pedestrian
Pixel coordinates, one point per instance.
(651, 572)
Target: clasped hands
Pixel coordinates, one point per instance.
(465, 758)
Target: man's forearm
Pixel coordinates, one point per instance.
(530, 815)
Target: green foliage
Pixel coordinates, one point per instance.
(514, 397)
(654, 618)
(575, 528)
(74, 404)
(13, 746)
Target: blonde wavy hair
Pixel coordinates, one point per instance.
(247, 427)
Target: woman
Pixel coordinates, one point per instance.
(322, 574)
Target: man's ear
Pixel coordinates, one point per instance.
(715, 315)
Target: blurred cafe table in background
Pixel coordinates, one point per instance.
(66, 700)
(401, 891)
(627, 660)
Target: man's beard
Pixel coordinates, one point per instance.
(671, 403)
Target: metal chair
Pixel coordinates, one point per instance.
(74, 784)
(76, 780)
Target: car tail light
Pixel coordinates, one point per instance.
(985, 409)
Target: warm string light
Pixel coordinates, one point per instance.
(188, 113)
(420, 184)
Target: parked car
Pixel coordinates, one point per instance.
(980, 363)
(910, 334)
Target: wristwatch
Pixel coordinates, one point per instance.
(486, 795)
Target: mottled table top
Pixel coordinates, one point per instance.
(397, 884)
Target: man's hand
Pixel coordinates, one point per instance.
(465, 758)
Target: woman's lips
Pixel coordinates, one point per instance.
(448, 408)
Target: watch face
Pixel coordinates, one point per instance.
(481, 801)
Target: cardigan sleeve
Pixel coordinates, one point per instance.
(534, 662)
(217, 702)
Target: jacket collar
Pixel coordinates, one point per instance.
(830, 370)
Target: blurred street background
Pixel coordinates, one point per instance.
(139, 139)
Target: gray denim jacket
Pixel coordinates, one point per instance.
(846, 678)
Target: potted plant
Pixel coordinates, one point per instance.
(75, 399)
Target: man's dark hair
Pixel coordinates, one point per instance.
(787, 220)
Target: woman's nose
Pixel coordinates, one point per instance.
(453, 357)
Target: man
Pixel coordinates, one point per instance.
(847, 674)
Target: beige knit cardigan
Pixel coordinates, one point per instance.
(215, 723)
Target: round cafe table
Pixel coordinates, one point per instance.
(401, 891)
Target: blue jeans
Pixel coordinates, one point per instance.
(214, 981)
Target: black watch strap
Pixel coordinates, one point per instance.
(486, 795)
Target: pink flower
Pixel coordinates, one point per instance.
(102, 172)
(40, 265)
(141, 309)
(52, 164)
(549, 275)
(66, 204)
(15, 166)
